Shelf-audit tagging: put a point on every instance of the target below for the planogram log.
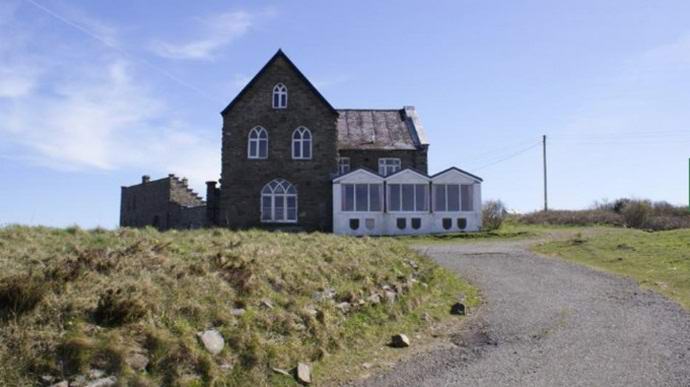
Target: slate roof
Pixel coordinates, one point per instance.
(387, 129)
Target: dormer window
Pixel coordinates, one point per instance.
(279, 96)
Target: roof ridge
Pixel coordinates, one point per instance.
(367, 110)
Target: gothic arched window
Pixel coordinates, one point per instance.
(279, 202)
(301, 143)
(257, 147)
(280, 96)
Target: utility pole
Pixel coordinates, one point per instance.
(546, 200)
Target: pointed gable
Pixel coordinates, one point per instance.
(279, 59)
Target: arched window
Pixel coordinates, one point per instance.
(279, 96)
(257, 148)
(279, 202)
(301, 143)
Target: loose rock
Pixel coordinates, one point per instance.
(326, 294)
(390, 296)
(137, 361)
(303, 373)
(400, 341)
(213, 341)
(78, 381)
(344, 307)
(103, 382)
(63, 383)
(458, 309)
(374, 299)
(237, 311)
(96, 373)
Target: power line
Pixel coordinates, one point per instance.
(120, 50)
(513, 155)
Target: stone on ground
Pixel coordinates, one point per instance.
(400, 341)
(137, 361)
(103, 382)
(303, 373)
(212, 340)
(458, 309)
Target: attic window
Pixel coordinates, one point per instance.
(280, 96)
(343, 165)
(388, 166)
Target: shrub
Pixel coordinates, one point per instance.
(19, 294)
(493, 214)
(116, 307)
(573, 218)
(636, 213)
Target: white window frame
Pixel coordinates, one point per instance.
(343, 165)
(389, 165)
(281, 91)
(282, 190)
(444, 186)
(471, 189)
(255, 137)
(354, 197)
(303, 143)
(400, 198)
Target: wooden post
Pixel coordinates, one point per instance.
(546, 200)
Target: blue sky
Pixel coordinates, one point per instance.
(94, 94)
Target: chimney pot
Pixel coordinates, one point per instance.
(145, 179)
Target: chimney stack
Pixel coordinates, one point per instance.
(145, 179)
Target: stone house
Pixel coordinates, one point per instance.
(290, 160)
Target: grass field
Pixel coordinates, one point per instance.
(74, 300)
(657, 260)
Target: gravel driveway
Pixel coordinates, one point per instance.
(546, 322)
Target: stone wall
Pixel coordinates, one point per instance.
(369, 159)
(242, 179)
(165, 204)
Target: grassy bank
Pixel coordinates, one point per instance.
(657, 260)
(73, 301)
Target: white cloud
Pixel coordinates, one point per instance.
(218, 31)
(106, 120)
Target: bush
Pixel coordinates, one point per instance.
(116, 307)
(573, 218)
(642, 214)
(19, 294)
(636, 213)
(493, 214)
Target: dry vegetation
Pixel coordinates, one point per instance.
(640, 214)
(74, 300)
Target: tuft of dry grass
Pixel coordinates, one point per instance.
(74, 300)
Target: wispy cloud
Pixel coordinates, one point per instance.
(105, 121)
(216, 32)
(66, 112)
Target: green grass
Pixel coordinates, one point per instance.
(510, 230)
(657, 260)
(73, 300)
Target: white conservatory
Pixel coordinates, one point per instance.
(406, 202)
